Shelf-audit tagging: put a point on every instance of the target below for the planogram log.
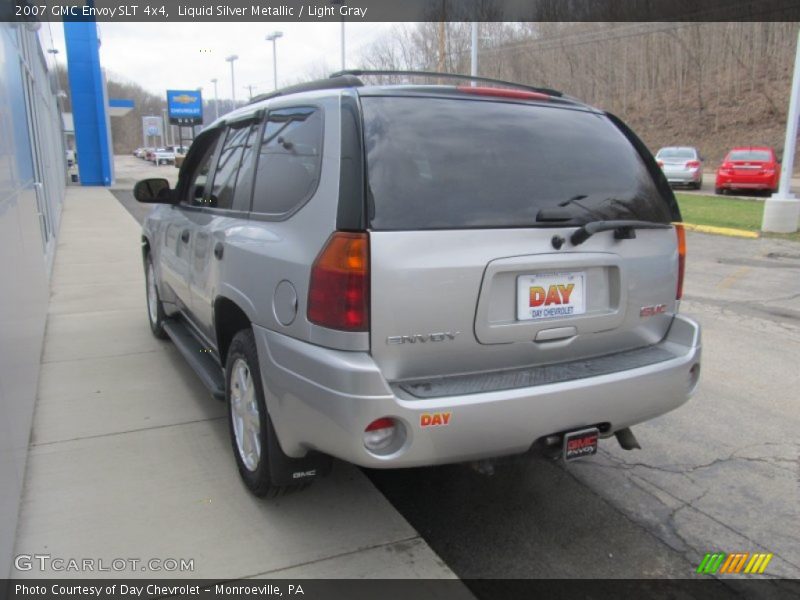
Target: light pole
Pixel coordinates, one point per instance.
(231, 59)
(273, 37)
(216, 99)
(474, 54)
(165, 137)
(782, 209)
(340, 3)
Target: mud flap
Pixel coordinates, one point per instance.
(285, 470)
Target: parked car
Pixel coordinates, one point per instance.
(749, 168)
(149, 153)
(163, 156)
(70, 155)
(139, 152)
(408, 275)
(682, 165)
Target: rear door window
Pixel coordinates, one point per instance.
(439, 163)
(289, 160)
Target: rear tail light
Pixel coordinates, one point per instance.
(338, 295)
(660, 163)
(693, 164)
(681, 233)
(503, 92)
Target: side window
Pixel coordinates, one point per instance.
(198, 179)
(244, 180)
(230, 157)
(289, 160)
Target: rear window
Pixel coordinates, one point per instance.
(763, 155)
(449, 163)
(686, 153)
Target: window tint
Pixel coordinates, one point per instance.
(445, 163)
(763, 155)
(289, 160)
(227, 168)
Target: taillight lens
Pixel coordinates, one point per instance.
(693, 164)
(660, 163)
(338, 295)
(681, 233)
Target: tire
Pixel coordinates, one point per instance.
(698, 185)
(155, 310)
(719, 191)
(244, 395)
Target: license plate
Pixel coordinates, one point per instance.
(551, 295)
(580, 444)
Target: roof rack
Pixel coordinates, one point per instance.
(360, 72)
(346, 80)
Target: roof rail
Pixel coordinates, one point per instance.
(361, 72)
(344, 81)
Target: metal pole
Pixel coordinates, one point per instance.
(782, 210)
(343, 48)
(231, 59)
(233, 86)
(164, 136)
(275, 62)
(216, 99)
(474, 54)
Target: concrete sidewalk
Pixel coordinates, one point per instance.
(130, 457)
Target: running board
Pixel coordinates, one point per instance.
(198, 357)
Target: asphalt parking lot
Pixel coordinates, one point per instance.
(719, 474)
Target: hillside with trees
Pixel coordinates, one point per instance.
(712, 85)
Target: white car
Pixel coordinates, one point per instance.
(165, 156)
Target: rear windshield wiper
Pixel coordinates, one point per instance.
(623, 230)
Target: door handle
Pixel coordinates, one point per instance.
(218, 250)
(185, 236)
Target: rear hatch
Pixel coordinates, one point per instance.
(465, 198)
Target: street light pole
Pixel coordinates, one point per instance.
(782, 210)
(474, 54)
(273, 37)
(341, 3)
(231, 59)
(216, 99)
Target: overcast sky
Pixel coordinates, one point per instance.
(163, 56)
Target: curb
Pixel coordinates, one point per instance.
(729, 231)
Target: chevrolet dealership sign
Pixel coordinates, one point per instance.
(185, 107)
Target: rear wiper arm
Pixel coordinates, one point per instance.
(623, 230)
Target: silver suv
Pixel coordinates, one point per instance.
(407, 275)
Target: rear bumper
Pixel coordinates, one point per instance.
(746, 182)
(323, 399)
(683, 176)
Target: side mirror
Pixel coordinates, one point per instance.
(153, 191)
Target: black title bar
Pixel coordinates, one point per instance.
(152, 11)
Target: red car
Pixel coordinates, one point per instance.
(749, 168)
